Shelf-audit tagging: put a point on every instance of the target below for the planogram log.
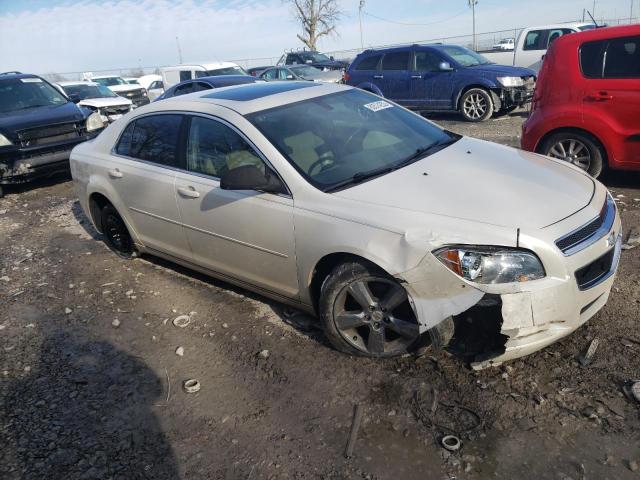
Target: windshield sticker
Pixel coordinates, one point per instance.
(31, 80)
(377, 106)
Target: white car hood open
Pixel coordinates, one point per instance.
(105, 102)
(482, 182)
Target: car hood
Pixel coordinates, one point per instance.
(333, 65)
(105, 102)
(40, 116)
(330, 76)
(482, 182)
(501, 70)
(124, 88)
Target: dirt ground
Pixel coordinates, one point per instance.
(91, 384)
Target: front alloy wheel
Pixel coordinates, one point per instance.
(476, 105)
(367, 313)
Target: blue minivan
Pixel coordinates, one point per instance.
(442, 78)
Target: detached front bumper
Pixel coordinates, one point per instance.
(491, 324)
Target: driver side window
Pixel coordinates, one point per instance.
(213, 148)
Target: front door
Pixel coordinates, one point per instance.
(142, 172)
(246, 235)
(431, 87)
(614, 97)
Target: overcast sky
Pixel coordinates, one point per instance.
(43, 36)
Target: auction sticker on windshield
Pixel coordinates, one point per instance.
(377, 106)
(30, 80)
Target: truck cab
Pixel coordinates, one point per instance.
(179, 73)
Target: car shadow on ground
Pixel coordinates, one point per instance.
(306, 324)
(83, 410)
(620, 179)
(19, 188)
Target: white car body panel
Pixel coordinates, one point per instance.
(501, 196)
(171, 75)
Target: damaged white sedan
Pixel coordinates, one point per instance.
(396, 233)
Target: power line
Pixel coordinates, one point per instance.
(415, 24)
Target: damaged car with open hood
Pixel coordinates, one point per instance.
(395, 232)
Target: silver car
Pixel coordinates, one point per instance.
(393, 231)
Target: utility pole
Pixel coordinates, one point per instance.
(631, 12)
(179, 50)
(593, 10)
(360, 7)
(472, 4)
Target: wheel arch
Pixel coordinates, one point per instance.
(326, 264)
(582, 131)
(97, 201)
(464, 89)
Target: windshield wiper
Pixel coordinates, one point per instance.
(414, 157)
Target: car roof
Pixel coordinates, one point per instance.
(106, 76)
(206, 66)
(251, 97)
(599, 34)
(560, 25)
(77, 82)
(14, 75)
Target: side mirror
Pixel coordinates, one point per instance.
(331, 58)
(445, 67)
(290, 77)
(249, 177)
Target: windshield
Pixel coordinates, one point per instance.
(224, 71)
(83, 92)
(109, 81)
(30, 92)
(305, 71)
(464, 56)
(343, 138)
(313, 57)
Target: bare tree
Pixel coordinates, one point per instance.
(317, 17)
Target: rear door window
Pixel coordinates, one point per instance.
(591, 57)
(622, 58)
(369, 63)
(536, 40)
(153, 138)
(185, 75)
(396, 61)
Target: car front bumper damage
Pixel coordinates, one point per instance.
(486, 325)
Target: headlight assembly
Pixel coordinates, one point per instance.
(490, 265)
(4, 141)
(94, 122)
(511, 81)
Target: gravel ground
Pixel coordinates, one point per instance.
(92, 368)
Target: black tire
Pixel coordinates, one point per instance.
(115, 232)
(384, 327)
(1, 192)
(476, 105)
(570, 147)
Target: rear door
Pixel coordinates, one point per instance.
(396, 74)
(142, 171)
(612, 90)
(247, 235)
(367, 70)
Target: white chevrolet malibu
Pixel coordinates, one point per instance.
(393, 231)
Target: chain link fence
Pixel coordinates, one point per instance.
(484, 41)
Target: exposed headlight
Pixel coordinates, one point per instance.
(4, 141)
(94, 122)
(144, 94)
(489, 265)
(511, 81)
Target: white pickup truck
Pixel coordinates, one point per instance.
(532, 43)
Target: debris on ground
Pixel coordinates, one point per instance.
(191, 386)
(451, 443)
(586, 358)
(633, 466)
(180, 351)
(67, 310)
(264, 354)
(633, 240)
(353, 433)
(182, 321)
(115, 323)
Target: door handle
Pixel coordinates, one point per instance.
(416, 76)
(115, 173)
(189, 192)
(378, 76)
(600, 96)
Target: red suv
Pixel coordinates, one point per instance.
(586, 106)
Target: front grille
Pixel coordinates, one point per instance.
(587, 234)
(592, 273)
(116, 110)
(138, 96)
(50, 134)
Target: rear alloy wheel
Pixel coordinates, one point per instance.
(115, 232)
(476, 105)
(367, 313)
(577, 148)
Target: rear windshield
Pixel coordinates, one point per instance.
(221, 71)
(25, 93)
